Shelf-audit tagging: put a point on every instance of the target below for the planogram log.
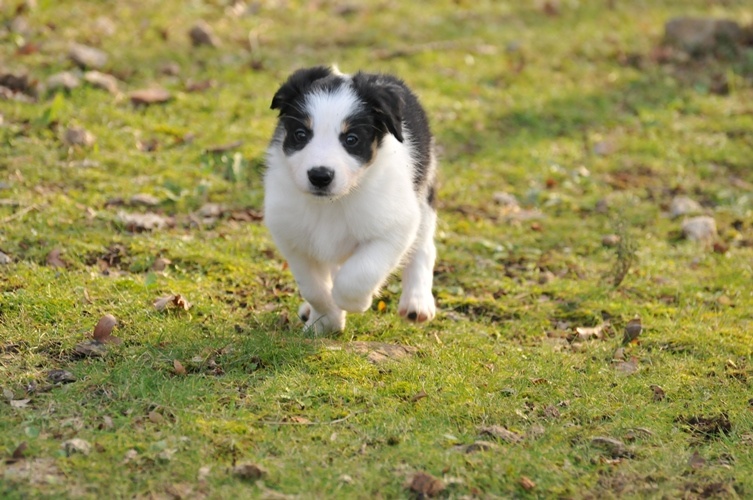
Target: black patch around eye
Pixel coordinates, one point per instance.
(297, 134)
(362, 148)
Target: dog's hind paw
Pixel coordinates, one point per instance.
(416, 306)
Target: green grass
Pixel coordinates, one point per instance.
(518, 100)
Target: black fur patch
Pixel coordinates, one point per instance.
(394, 107)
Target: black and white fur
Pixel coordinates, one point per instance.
(349, 193)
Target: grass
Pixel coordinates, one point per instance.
(572, 111)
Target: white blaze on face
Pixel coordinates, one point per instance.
(328, 112)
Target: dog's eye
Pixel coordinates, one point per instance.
(300, 134)
(351, 140)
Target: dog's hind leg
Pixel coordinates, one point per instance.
(417, 300)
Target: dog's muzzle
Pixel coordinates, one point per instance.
(321, 177)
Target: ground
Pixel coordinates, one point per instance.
(575, 144)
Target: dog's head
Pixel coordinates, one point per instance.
(332, 126)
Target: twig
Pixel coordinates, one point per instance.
(331, 422)
(19, 214)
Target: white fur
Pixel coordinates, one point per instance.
(342, 248)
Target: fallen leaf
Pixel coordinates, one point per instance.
(102, 81)
(632, 330)
(249, 472)
(90, 349)
(146, 97)
(696, 461)
(424, 484)
(77, 136)
(499, 432)
(155, 417)
(106, 424)
(160, 264)
(54, 260)
(103, 330)
(659, 394)
(477, 446)
(178, 367)
(421, 395)
(143, 199)
(200, 86)
(201, 34)
(526, 483)
(19, 453)
(86, 56)
(76, 445)
(137, 222)
(19, 403)
(614, 447)
(175, 300)
(588, 333)
(627, 367)
(708, 426)
(60, 377)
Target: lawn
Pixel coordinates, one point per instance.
(576, 147)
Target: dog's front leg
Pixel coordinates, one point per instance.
(320, 313)
(364, 273)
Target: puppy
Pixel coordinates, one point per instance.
(349, 193)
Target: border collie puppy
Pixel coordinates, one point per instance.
(349, 193)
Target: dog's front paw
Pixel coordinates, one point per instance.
(351, 303)
(321, 324)
(416, 305)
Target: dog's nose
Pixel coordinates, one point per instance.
(321, 177)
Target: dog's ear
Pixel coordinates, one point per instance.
(297, 84)
(385, 98)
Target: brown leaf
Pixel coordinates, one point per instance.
(103, 330)
(696, 461)
(614, 447)
(90, 349)
(137, 222)
(155, 417)
(77, 136)
(146, 97)
(178, 367)
(659, 394)
(627, 367)
(526, 483)
(60, 377)
(76, 445)
(499, 432)
(249, 472)
(160, 264)
(19, 453)
(201, 34)
(477, 446)
(54, 260)
(421, 395)
(176, 300)
(424, 484)
(102, 81)
(632, 330)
